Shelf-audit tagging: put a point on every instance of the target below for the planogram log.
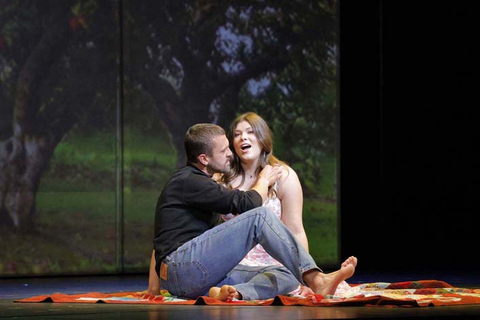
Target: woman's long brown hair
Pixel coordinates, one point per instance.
(264, 136)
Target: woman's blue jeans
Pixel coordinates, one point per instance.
(211, 259)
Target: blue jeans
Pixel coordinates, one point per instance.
(207, 260)
(259, 283)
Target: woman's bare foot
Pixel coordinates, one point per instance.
(327, 283)
(350, 263)
(225, 293)
(350, 260)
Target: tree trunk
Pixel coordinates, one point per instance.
(39, 123)
(22, 163)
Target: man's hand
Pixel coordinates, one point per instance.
(267, 177)
(153, 279)
(154, 286)
(271, 174)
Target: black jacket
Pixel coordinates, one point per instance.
(189, 205)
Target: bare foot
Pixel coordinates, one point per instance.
(350, 260)
(225, 293)
(327, 283)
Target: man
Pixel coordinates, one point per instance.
(192, 254)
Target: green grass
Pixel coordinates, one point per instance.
(85, 150)
(83, 222)
(88, 163)
(149, 150)
(38, 253)
(60, 205)
(100, 149)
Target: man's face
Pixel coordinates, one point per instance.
(219, 161)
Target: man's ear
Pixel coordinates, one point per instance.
(203, 159)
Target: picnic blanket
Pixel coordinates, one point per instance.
(420, 293)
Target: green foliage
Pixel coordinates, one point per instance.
(322, 184)
(299, 102)
(305, 133)
(84, 8)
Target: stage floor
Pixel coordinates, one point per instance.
(17, 288)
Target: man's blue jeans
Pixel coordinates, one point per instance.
(207, 260)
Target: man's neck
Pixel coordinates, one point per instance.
(202, 168)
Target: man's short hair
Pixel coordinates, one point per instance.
(198, 140)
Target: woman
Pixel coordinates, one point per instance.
(252, 144)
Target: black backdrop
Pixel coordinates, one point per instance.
(409, 135)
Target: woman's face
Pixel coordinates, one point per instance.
(245, 143)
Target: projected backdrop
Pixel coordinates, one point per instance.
(95, 100)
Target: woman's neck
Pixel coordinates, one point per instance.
(250, 168)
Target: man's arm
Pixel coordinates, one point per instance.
(203, 193)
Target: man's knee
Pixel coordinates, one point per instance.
(263, 211)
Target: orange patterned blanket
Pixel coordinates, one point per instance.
(406, 294)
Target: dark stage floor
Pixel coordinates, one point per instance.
(16, 288)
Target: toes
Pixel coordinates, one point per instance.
(352, 260)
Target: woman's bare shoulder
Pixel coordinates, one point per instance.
(289, 184)
(288, 173)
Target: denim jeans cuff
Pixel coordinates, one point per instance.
(306, 269)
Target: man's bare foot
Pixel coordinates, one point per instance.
(225, 293)
(327, 283)
(350, 260)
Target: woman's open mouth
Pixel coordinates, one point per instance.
(245, 147)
